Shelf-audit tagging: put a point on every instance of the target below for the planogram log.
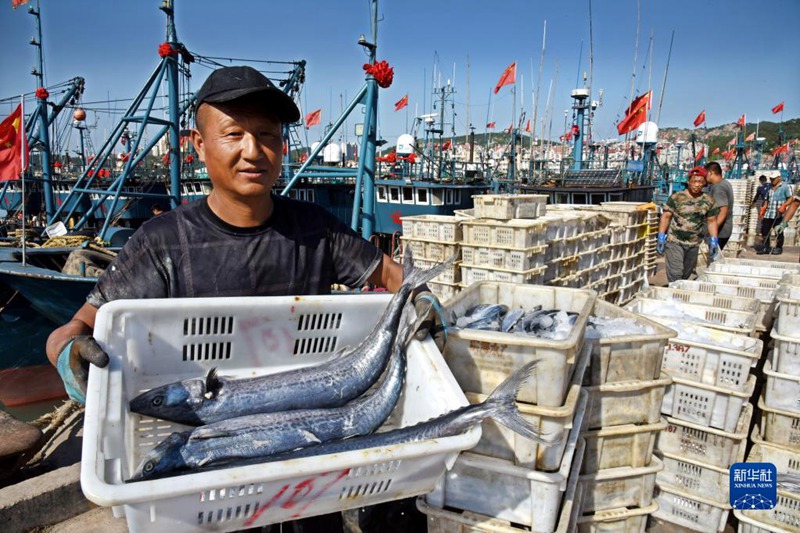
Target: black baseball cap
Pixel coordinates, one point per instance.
(231, 83)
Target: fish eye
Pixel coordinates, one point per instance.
(157, 401)
(149, 466)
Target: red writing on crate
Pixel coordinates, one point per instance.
(300, 495)
(679, 348)
(259, 335)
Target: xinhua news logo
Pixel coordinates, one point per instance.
(754, 486)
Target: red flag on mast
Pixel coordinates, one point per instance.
(701, 118)
(636, 114)
(491, 125)
(12, 144)
(400, 104)
(741, 122)
(716, 151)
(700, 154)
(509, 77)
(777, 109)
(313, 118)
(751, 137)
(16, 3)
(528, 126)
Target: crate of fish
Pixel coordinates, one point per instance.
(628, 445)
(694, 512)
(472, 274)
(781, 391)
(710, 356)
(434, 227)
(508, 206)
(622, 520)
(152, 343)
(516, 259)
(613, 488)
(766, 297)
(779, 426)
(529, 323)
(520, 233)
(498, 488)
(705, 404)
(735, 303)
(696, 478)
(739, 322)
(500, 442)
(625, 346)
(626, 402)
(784, 516)
(704, 444)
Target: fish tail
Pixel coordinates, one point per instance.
(503, 405)
(414, 277)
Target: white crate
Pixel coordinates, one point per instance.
(750, 524)
(473, 274)
(145, 340)
(563, 225)
(516, 259)
(434, 227)
(444, 291)
(565, 248)
(704, 444)
(481, 360)
(785, 516)
(786, 460)
(518, 233)
(779, 426)
(430, 250)
(768, 272)
(626, 357)
(788, 311)
(705, 404)
(508, 206)
(786, 354)
(790, 279)
(690, 511)
(622, 520)
(631, 290)
(739, 281)
(619, 487)
(626, 402)
(734, 321)
(721, 359)
(735, 303)
(781, 391)
(497, 488)
(451, 274)
(696, 478)
(628, 445)
(788, 268)
(766, 297)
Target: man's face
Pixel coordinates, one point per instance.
(241, 146)
(696, 184)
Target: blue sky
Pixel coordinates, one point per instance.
(729, 56)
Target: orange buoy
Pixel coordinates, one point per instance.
(79, 114)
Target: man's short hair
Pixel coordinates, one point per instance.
(762, 178)
(713, 166)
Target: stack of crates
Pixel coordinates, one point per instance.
(626, 386)
(776, 439)
(743, 193)
(508, 481)
(651, 256)
(433, 239)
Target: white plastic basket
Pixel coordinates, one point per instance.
(430, 250)
(152, 342)
(786, 353)
(516, 259)
(781, 391)
(735, 303)
(786, 460)
(508, 206)
(788, 309)
(450, 276)
(474, 274)
(704, 444)
(779, 426)
(627, 445)
(497, 488)
(622, 520)
(553, 422)
(790, 279)
(766, 297)
(793, 268)
(481, 360)
(518, 233)
(626, 402)
(433, 227)
(619, 487)
(724, 319)
(696, 478)
(444, 291)
(752, 271)
(748, 524)
(705, 404)
(627, 357)
(738, 281)
(690, 511)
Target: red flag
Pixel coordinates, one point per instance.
(740, 122)
(400, 104)
(491, 125)
(16, 3)
(528, 126)
(12, 140)
(784, 148)
(700, 118)
(635, 115)
(510, 129)
(778, 108)
(716, 151)
(509, 77)
(700, 154)
(750, 137)
(732, 141)
(314, 118)
(447, 145)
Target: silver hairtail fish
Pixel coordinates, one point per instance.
(346, 376)
(273, 433)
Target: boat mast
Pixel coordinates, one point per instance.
(41, 112)
(173, 92)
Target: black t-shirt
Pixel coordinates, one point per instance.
(190, 252)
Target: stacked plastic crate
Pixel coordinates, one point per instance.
(651, 256)
(433, 239)
(626, 387)
(776, 439)
(509, 481)
(707, 404)
(743, 193)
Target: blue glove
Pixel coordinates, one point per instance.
(73, 364)
(781, 227)
(713, 247)
(661, 243)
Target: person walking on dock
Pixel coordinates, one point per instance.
(688, 213)
(780, 195)
(721, 191)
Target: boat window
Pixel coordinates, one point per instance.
(206, 188)
(301, 194)
(408, 195)
(394, 194)
(579, 198)
(436, 197)
(448, 196)
(562, 198)
(615, 197)
(598, 198)
(310, 195)
(457, 196)
(422, 196)
(382, 193)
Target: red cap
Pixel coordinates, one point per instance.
(698, 171)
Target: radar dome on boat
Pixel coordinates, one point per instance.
(332, 153)
(405, 144)
(79, 114)
(647, 133)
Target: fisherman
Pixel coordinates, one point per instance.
(722, 192)
(761, 194)
(687, 212)
(780, 195)
(156, 209)
(791, 209)
(241, 240)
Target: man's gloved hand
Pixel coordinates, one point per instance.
(73, 364)
(713, 247)
(661, 243)
(781, 227)
(429, 315)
